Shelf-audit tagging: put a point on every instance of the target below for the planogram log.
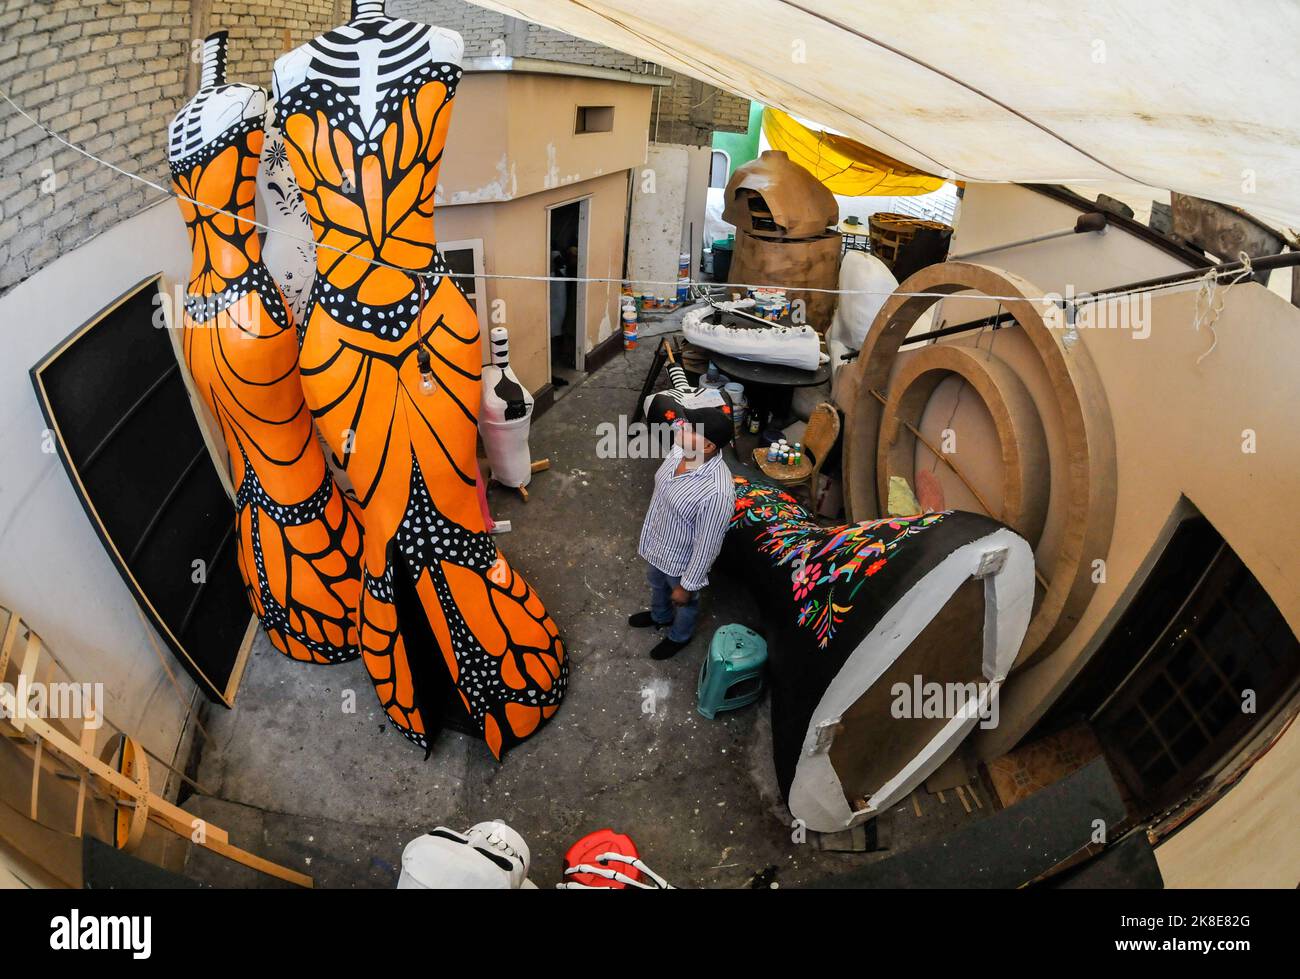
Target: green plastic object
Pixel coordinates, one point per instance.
(731, 675)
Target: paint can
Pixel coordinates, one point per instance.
(629, 325)
(739, 406)
(684, 277)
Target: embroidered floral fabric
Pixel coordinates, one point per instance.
(828, 565)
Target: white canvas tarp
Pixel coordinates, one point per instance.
(1186, 95)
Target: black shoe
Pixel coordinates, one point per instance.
(643, 620)
(668, 648)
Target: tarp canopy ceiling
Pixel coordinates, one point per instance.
(1187, 95)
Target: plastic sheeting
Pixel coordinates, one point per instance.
(1186, 95)
(843, 165)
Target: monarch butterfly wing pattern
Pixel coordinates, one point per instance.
(411, 454)
(299, 538)
(500, 648)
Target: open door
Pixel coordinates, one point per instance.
(566, 239)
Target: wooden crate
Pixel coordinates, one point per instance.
(889, 232)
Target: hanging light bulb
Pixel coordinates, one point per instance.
(426, 370)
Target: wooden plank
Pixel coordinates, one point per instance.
(18, 719)
(258, 863)
(36, 779)
(11, 635)
(69, 748)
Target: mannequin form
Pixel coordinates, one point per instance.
(506, 416)
(390, 364)
(299, 539)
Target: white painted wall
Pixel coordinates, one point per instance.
(53, 569)
(656, 230)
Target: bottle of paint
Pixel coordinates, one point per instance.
(629, 324)
(684, 277)
(773, 451)
(739, 406)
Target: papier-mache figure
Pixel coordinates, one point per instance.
(506, 416)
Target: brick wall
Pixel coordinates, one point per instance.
(106, 75)
(261, 31)
(109, 75)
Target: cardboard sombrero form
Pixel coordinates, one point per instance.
(888, 642)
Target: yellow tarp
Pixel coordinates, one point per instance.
(844, 165)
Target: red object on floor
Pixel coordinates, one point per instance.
(587, 849)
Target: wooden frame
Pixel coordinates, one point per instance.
(226, 694)
(1087, 495)
(119, 773)
(1021, 441)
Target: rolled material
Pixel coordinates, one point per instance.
(858, 617)
(506, 416)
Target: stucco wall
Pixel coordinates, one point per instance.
(687, 111)
(512, 134)
(515, 243)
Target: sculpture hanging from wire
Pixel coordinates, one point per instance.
(391, 368)
(299, 537)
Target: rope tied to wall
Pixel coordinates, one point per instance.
(1210, 299)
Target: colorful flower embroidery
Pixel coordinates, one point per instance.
(822, 559)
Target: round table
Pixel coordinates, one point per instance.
(769, 388)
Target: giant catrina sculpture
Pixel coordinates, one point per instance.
(888, 643)
(390, 367)
(299, 537)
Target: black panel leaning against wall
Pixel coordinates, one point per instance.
(115, 398)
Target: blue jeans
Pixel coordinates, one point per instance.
(662, 609)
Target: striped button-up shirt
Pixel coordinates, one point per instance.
(687, 519)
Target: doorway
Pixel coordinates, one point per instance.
(566, 239)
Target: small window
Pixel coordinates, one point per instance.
(595, 119)
(719, 169)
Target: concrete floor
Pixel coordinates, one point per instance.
(297, 780)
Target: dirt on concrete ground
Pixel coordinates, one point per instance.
(295, 778)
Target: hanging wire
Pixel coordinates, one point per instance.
(1055, 300)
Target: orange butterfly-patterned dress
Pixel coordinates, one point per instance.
(390, 365)
(299, 537)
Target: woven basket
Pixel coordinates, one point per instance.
(889, 232)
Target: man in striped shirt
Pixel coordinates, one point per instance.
(684, 526)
